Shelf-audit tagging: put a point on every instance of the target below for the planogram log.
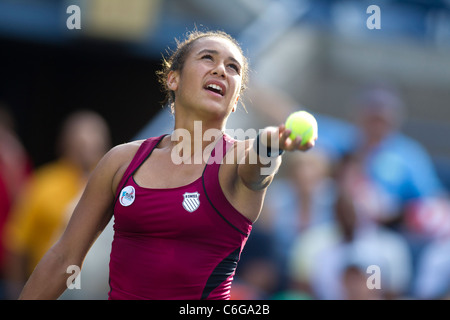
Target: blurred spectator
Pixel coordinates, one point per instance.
(344, 252)
(373, 204)
(257, 276)
(40, 213)
(433, 271)
(354, 284)
(15, 167)
(300, 201)
(399, 168)
(396, 164)
(430, 218)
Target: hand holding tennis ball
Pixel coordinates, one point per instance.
(299, 124)
(302, 124)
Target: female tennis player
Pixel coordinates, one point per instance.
(179, 226)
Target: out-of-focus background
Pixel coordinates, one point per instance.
(363, 215)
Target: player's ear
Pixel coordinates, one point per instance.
(172, 80)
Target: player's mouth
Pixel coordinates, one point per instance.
(215, 87)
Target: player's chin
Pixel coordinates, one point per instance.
(217, 110)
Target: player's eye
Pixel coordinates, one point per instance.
(234, 67)
(207, 57)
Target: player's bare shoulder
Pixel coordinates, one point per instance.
(116, 160)
(123, 153)
(126, 150)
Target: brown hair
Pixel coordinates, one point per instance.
(177, 58)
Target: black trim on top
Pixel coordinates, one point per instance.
(221, 272)
(215, 209)
(209, 200)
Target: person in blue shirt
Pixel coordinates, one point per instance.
(398, 163)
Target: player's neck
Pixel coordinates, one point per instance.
(194, 138)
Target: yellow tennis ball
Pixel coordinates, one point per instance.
(302, 124)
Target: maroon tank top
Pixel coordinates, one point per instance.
(180, 243)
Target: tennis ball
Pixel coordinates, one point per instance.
(302, 124)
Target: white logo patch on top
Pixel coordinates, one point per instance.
(191, 201)
(127, 196)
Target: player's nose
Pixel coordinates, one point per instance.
(219, 70)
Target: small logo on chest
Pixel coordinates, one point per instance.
(127, 196)
(191, 201)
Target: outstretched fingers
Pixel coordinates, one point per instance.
(287, 144)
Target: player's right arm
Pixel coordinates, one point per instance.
(90, 217)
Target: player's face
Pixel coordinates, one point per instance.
(210, 80)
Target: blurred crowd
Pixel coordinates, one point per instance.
(362, 215)
(36, 202)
